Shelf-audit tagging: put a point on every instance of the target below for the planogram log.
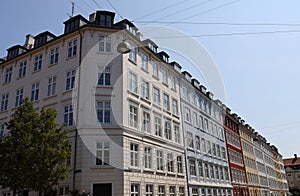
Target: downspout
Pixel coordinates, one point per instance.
(77, 112)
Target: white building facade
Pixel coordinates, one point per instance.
(124, 108)
(205, 147)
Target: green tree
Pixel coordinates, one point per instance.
(33, 155)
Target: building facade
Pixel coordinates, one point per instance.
(205, 148)
(235, 155)
(292, 169)
(246, 133)
(139, 125)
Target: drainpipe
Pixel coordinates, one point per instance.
(77, 113)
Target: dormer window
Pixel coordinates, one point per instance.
(102, 18)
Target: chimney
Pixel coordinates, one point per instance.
(295, 155)
(29, 42)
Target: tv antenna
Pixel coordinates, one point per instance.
(72, 13)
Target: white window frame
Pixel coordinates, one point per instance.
(133, 116)
(19, 97)
(155, 68)
(72, 48)
(105, 150)
(70, 79)
(54, 54)
(164, 73)
(146, 122)
(170, 162)
(134, 155)
(145, 60)
(160, 160)
(35, 88)
(133, 53)
(51, 86)
(104, 76)
(135, 190)
(104, 43)
(166, 99)
(145, 89)
(22, 69)
(132, 82)
(104, 112)
(68, 115)
(38, 59)
(158, 126)
(148, 157)
(8, 74)
(175, 106)
(168, 129)
(4, 102)
(156, 96)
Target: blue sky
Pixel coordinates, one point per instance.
(260, 71)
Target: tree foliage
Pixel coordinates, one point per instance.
(34, 153)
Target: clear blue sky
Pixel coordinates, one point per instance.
(260, 71)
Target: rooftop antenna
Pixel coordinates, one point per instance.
(72, 10)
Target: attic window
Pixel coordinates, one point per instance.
(104, 20)
(131, 29)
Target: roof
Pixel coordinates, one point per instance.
(291, 161)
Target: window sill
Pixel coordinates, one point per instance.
(167, 111)
(36, 71)
(53, 64)
(131, 61)
(155, 77)
(71, 57)
(146, 100)
(171, 174)
(156, 106)
(68, 91)
(101, 167)
(133, 169)
(180, 175)
(104, 86)
(133, 93)
(20, 77)
(50, 97)
(160, 172)
(145, 70)
(165, 84)
(4, 111)
(108, 53)
(147, 170)
(176, 116)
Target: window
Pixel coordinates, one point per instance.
(104, 74)
(172, 190)
(51, 86)
(217, 172)
(103, 153)
(168, 131)
(144, 58)
(194, 192)
(72, 48)
(157, 126)
(176, 133)
(175, 106)
(173, 82)
(159, 160)
(149, 190)
(22, 69)
(35, 91)
(195, 119)
(132, 53)
(214, 152)
(190, 141)
(164, 76)
(8, 74)
(218, 151)
(226, 173)
(70, 81)
(161, 190)
(38, 59)
(155, 69)
(166, 102)
(104, 43)
(187, 114)
(1, 130)
(68, 115)
(170, 163)
(192, 167)
(4, 102)
(54, 55)
(208, 147)
(135, 190)
(223, 153)
(104, 111)
(148, 158)
(221, 173)
(200, 168)
(198, 143)
(145, 89)
(181, 191)
(203, 145)
(19, 97)
(179, 164)
(132, 82)
(211, 171)
(146, 122)
(206, 171)
(134, 152)
(133, 116)
(156, 96)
